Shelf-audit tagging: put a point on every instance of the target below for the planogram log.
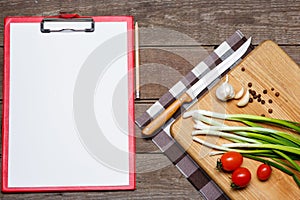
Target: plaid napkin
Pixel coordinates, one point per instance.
(163, 140)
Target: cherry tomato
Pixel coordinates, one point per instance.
(240, 178)
(263, 172)
(230, 161)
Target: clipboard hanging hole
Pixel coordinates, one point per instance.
(68, 15)
(67, 24)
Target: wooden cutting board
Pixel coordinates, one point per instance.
(266, 67)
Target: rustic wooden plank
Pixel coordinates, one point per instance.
(162, 182)
(162, 67)
(168, 23)
(182, 22)
(142, 144)
(1, 71)
(293, 52)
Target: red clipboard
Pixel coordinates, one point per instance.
(68, 107)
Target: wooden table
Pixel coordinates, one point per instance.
(175, 36)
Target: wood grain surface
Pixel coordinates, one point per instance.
(265, 67)
(174, 36)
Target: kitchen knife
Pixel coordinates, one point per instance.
(192, 92)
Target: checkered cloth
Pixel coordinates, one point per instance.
(196, 175)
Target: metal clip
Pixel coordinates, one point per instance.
(67, 24)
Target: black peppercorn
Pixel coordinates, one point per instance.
(270, 101)
(270, 110)
(277, 94)
(262, 101)
(249, 84)
(250, 100)
(265, 91)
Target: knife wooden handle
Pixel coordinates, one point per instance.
(166, 115)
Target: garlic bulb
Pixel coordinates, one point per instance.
(225, 91)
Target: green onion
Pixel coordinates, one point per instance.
(283, 155)
(257, 136)
(283, 163)
(253, 141)
(223, 148)
(264, 146)
(287, 136)
(245, 117)
(223, 134)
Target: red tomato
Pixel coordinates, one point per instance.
(240, 178)
(263, 172)
(230, 161)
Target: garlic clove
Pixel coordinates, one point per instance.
(232, 93)
(244, 101)
(225, 92)
(239, 94)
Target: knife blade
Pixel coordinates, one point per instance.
(193, 91)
